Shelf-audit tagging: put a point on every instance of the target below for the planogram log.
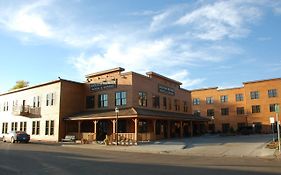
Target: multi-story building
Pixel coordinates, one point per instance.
(148, 108)
(232, 109)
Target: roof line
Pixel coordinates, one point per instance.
(38, 85)
(151, 73)
(117, 69)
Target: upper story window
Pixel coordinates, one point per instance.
(50, 99)
(256, 109)
(156, 101)
(239, 97)
(210, 112)
(142, 99)
(224, 111)
(165, 102)
(90, 102)
(177, 105)
(255, 95)
(185, 106)
(196, 113)
(36, 101)
(272, 107)
(196, 101)
(120, 98)
(224, 98)
(103, 100)
(240, 110)
(209, 100)
(272, 93)
(169, 103)
(6, 106)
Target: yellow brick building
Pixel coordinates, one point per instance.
(232, 109)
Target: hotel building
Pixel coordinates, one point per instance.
(149, 107)
(233, 109)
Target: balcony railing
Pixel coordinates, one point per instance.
(27, 111)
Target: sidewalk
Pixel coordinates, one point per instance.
(208, 146)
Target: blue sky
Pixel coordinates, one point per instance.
(200, 43)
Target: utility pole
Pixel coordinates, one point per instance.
(278, 128)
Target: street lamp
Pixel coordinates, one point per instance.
(116, 127)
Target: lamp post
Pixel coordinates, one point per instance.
(213, 123)
(116, 127)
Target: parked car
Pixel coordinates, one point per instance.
(16, 136)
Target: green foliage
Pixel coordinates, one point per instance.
(20, 84)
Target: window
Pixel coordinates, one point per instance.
(185, 107)
(143, 126)
(209, 100)
(255, 95)
(50, 99)
(256, 109)
(272, 93)
(272, 107)
(225, 127)
(164, 102)
(36, 102)
(6, 106)
(49, 127)
(177, 105)
(103, 100)
(210, 112)
(35, 127)
(224, 98)
(156, 101)
(239, 97)
(14, 126)
(142, 99)
(240, 110)
(90, 102)
(120, 99)
(170, 103)
(224, 111)
(196, 101)
(240, 126)
(22, 126)
(196, 113)
(4, 128)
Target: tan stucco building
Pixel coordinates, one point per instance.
(150, 107)
(232, 109)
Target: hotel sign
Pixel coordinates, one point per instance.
(103, 85)
(166, 90)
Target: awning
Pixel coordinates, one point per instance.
(133, 112)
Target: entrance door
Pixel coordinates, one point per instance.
(102, 129)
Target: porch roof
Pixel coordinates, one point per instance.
(131, 112)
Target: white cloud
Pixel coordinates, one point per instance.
(183, 77)
(277, 10)
(223, 19)
(41, 19)
(28, 20)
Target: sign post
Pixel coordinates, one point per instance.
(271, 119)
(278, 123)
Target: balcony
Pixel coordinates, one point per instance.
(27, 111)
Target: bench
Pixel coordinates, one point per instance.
(69, 138)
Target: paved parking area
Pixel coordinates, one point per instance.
(208, 145)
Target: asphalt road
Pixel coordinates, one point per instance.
(53, 159)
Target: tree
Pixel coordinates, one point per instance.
(20, 84)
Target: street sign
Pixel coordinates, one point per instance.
(271, 119)
(277, 108)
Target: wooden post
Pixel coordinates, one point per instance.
(79, 129)
(154, 129)
(136, 130)
(181, 130)
(169, 129)
(191, 128)
(95, 129)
